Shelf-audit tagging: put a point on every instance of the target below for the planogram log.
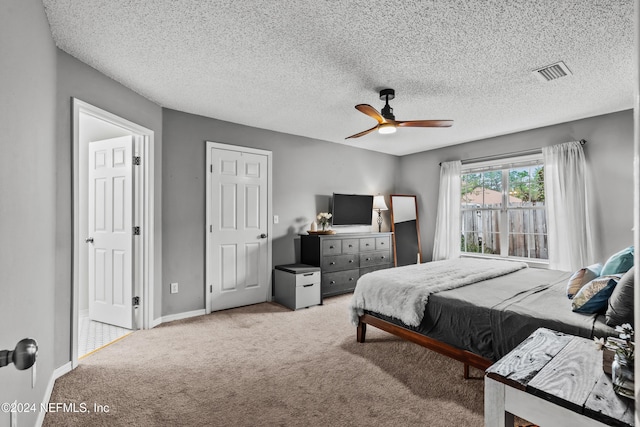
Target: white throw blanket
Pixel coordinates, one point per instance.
(403, 292)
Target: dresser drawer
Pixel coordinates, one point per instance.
(350, 246)
(303, 279)
(339, 282)
(332, 247)
(339, 262)
(374, 258)
(368, 244)
(307, 295)
(366, 270)
(383, 243)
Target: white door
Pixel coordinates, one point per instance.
(110, 234)
(238, 267)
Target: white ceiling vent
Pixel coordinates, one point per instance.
(552, 72)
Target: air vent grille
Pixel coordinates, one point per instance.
(552, 72)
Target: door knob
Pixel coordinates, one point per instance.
(263, 236)
(23, 356)
(89, 240)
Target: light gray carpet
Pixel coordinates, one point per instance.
(264, 365)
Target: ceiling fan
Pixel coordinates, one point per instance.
(387, 122)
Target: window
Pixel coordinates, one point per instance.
(503, 210)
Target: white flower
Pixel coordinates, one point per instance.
(599, 342)
(625, 330)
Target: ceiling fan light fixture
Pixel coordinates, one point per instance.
(386, 128)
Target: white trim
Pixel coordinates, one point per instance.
(208, 273)
(146, 204)
(180, 316)
(531, 262)
(57, 373)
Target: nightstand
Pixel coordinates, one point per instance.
(297, 286)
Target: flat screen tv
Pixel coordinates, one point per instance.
(352, 209)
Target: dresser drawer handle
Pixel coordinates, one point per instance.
(382, 257)
(350, 261)
(368, 259)
(332, 263)
(381, 243)
(308, 274)
(350, 246)
(330, 247)
(333, 282)
(366, 244)
(306, 286)
(351, 279)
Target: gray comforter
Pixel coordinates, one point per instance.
(491, 317)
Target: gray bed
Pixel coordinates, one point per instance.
(491, 317)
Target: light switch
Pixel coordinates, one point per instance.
(276, 219)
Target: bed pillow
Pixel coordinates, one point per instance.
(620, 307)
(619, 263)
(594, 296)
(581, 278)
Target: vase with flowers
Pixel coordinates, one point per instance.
(622, 367)
(323, 220)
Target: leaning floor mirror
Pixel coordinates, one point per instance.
(406, 230)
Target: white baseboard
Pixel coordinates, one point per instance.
(180, 316)
(177, 316)
(156, 322)
(47, 393)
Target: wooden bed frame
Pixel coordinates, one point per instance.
(464, 356)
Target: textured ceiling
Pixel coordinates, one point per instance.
(301, 66)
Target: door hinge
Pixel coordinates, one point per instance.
(136, 301)
(136, 231)
(136, 160)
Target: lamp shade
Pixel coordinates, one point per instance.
(379, 204)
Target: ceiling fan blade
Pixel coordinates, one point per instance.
(358, 135)
(425, 123)
(371, 112)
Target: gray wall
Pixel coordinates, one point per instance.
(76, 79)
(305, 174)
(27, 196)
(609, 153)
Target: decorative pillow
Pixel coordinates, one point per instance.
(593, 296)
(581, 278)
(620, 309)
(619, 263)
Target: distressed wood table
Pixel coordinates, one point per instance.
(554, 379)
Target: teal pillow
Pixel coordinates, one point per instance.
(594, 296)
(581, 278)
(619, 263)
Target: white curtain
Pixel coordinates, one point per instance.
(446, 243)
(570, 236)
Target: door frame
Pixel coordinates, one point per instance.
(143, 264)
(209, 215)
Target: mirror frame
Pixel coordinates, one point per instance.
(393, 228)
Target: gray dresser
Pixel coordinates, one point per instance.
(343, 258)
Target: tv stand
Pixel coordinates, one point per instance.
(343, 258)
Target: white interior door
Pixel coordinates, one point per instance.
(238, 267)
(110, 222)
